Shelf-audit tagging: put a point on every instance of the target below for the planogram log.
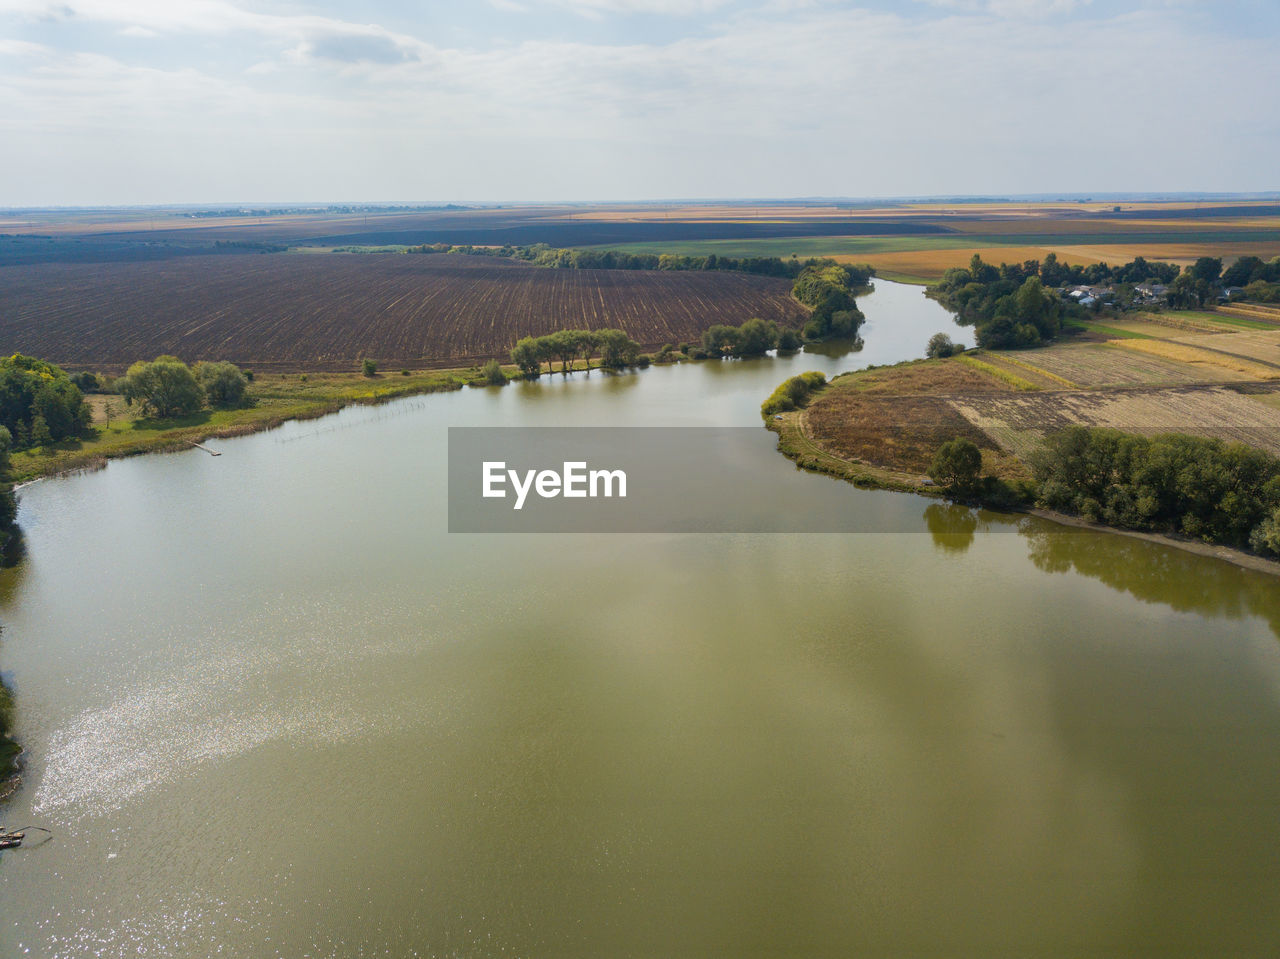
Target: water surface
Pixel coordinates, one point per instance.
(273, 708)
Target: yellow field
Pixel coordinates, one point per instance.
(1262, 346)
(931, 264)
(1018, 421)
(1199, 358)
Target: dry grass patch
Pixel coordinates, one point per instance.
(1019, 422)
(1261, 346)
(1094, 365)
(897, 417)
(1200, 359)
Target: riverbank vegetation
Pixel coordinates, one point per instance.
(1171, 483)
(1176, 432)
(794, 393)
(270, 399)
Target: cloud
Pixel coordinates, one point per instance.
(820, 99)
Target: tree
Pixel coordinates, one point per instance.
(756, 337)
(956, 465)
(616, 348)
(940, 347)
(1207, 268)
(31, 388)
(164, 388)
(527, 355)
(369, 368)
(223, 383)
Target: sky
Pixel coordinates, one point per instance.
(118, 102)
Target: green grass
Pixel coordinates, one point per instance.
(1111, 331)
(1225, 320)
(276, 399)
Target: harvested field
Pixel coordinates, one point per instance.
(1258, 346)
(1019, 421)
(1258, 312)
(925, 377)
(326, 312)
(930, 264)
(1093, 365)
(898, 417)
(1201, 360)
(1194, 322)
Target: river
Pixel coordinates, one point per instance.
(272, 707)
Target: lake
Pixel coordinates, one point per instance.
(272, 707)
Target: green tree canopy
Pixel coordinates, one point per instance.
(164, 388)
(38, 398)
(223, 383)
(957, 465)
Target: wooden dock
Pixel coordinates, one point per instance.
(205, 448)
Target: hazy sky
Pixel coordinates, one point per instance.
(158, 101)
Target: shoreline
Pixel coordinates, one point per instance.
(798, 447)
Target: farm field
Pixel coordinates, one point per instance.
(1017, 422)
(1094, 365)
(1179, 373)
(1260, 346)
(916, 241)
(326, 312)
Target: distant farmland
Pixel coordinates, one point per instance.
(324, 312)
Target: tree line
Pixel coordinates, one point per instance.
(542, 254)
(1008, 306)
(1206, 489)
(616, 350)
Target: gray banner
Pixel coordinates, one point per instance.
(649, 479)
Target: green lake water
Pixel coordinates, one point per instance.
(273, 708)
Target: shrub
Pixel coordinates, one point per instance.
(793, 393)
(369, 367)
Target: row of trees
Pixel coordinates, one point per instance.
(1218, 492)
(541, 254)
(615, 348)
(755, 337)
(166, 387)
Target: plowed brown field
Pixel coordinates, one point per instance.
(327, 312)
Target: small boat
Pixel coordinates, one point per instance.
(11, 840)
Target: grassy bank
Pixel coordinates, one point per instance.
(274, 399)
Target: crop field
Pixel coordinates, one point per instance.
(1258, 346)
(1093, 365)
(1019, 421)
(326, 312)
(898, 416)
(1201, 359)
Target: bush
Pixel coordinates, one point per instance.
(223, 384)
(492, 374)
(940, 347)
(793, 393)
(369, 367)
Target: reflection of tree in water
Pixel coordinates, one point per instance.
(835, 348)
(1154, 573)
(952, 527)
